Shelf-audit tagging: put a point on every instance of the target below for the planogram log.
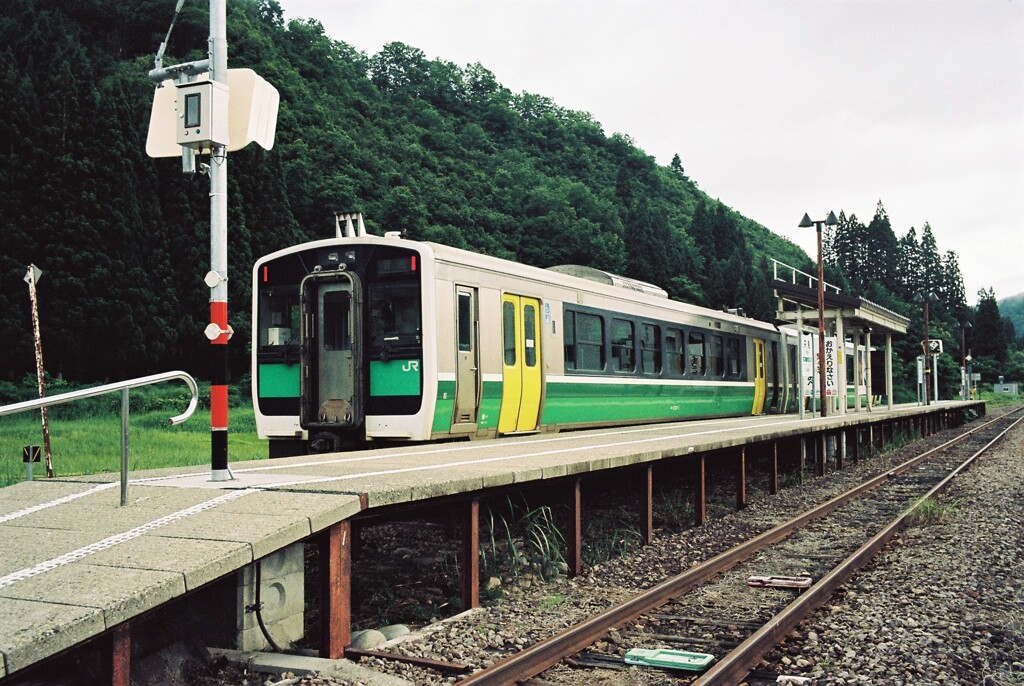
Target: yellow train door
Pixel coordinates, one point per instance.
(759, 377)
(521, 371)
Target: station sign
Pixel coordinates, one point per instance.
(933, 346)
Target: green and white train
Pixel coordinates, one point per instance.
(360, 339)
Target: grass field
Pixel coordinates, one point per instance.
(87, 440)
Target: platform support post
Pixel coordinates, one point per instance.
(821, 446)
(700, 510)
(803, 457)
(647, 506)
(336, 589)
(470, 582)
(841, 452)
(773, 470)
(121, 655)
(574, 541)
(741, 479)
(856, 445)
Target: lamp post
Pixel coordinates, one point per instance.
(926, 299)
(805, 223)
(964, 393)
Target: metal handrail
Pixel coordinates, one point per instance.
(811, 279)
(122, 386)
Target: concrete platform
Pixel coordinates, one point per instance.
(75, 565)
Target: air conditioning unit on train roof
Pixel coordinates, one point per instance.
(609, 279)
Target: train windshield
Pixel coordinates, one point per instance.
(390, 333)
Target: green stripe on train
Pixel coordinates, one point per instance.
(279, 381)
(444, 408)
(581, 402)
(576, 402)
(394, 377)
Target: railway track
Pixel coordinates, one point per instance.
(711, 608)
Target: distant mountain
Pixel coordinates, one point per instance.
(1012, 308)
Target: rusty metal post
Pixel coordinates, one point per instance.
(336, 590)
(773, 470)
(574, 541)
(647, 506)
(821, 447)
(31, 278)
(121, 655)
(471, 556)
(741, 480)
(700, 510)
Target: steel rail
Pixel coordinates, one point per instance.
(734, 667)
(535, 659)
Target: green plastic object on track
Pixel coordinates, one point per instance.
(669, 659)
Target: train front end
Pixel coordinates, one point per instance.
(338, 344)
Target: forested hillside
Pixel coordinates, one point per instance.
(440, 151)
(901, 273)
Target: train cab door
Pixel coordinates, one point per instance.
(521, 370)
(759, 377)
(331, 377)
(467, 367)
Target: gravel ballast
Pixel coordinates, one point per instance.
(944, 604)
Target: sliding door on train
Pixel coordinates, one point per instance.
(331, 379)
(521, 371)
(467, 368)
(759, 377)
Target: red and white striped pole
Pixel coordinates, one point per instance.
(218, 331)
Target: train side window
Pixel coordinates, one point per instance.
(732, 356)
(465, 322)
(622, 346)
(695, 353)
(715, 359)
(569, 334)
(674, 352)
(529, 333)
(589, 341)
(650, 348)
(508, 327)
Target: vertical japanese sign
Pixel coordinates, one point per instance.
(807, 368)
(831, 366)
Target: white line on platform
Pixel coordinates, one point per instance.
(486, 460)
(478, 446)
(58, 501)
(111, 541)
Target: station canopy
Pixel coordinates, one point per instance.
(856, 312)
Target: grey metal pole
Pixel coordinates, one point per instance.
(218, 279)
(867, 370)
(888, 370)
(124, 446)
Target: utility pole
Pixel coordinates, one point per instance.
(192, 118)
(32, 278)
(218, 331)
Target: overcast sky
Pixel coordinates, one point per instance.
(775, 107)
